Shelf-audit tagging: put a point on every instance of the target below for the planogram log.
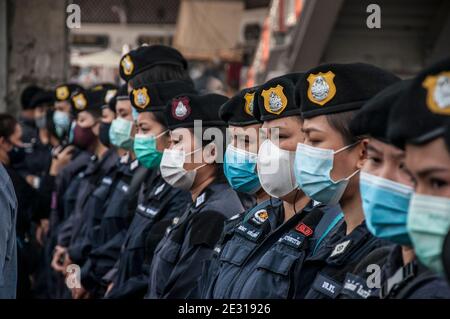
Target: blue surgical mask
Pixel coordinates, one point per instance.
(120, 133)
(240, 170)
(312, 170)
(62, 123)
(428, 224)
(385, 205)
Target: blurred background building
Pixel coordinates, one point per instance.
(229, 43)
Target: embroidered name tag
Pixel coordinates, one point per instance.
(292, 239)
(249, 232)
(327, 286)
(356, 287)
(107, 180)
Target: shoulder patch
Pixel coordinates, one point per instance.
(206, 228)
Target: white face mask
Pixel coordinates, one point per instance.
(173, 172)
(276, 169)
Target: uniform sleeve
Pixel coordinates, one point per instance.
(7, 227)
(205, 230)
(101, 260)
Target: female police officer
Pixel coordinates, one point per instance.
(386, 188)
(240, 170)
(192, 163)
(327, 168)
(268, 244)
(418, 123)
(158, 202)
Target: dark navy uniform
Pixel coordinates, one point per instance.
(410, 281)
(262, 257)
(108, 239)
(158, 205)
(324, 272)
(96, 187)
(62, 203)
(177, 263)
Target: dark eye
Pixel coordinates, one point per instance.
(437, 183)
(375, 159)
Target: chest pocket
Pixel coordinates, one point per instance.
(236, 251)
(169, 251)
(102, 191)
(139, 228)
(274, 273)
(117, 206)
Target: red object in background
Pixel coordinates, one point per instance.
(233, 74)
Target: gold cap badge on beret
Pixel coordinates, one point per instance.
(141, 98)
(438, 92)
(62, 93)
(127, 65)
(321, 87)
(109, 95)
(274, 99)
(79, 101)
(249, 98)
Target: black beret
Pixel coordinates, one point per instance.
(447, 136)
(335, 88)
(88, 100)
(421, 113)
(276, 98)
(27, 96)
(103, 86)
(238, 110)
(122, 94)
(146, 57)
(184, 109)
(155, 96)
(63, 92)
(42, 97)
(372, 118)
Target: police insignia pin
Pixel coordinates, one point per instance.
(438, 92)
(321, 87)
(109, 95)
(261, 216)
(127, 65)
(79, 101)
(141, 98)
(274, 100)
(62, 93)
(249, 98)
(181, 108)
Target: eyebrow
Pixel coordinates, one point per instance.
(311, 129)
(428, 171)
(373, 149)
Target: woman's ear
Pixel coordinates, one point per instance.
(210, 153)
(362, 152)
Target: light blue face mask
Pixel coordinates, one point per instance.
(62, 123)
(240, 170)
(120, 133)
(428, 224)
(312, 169)
(385, 205)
